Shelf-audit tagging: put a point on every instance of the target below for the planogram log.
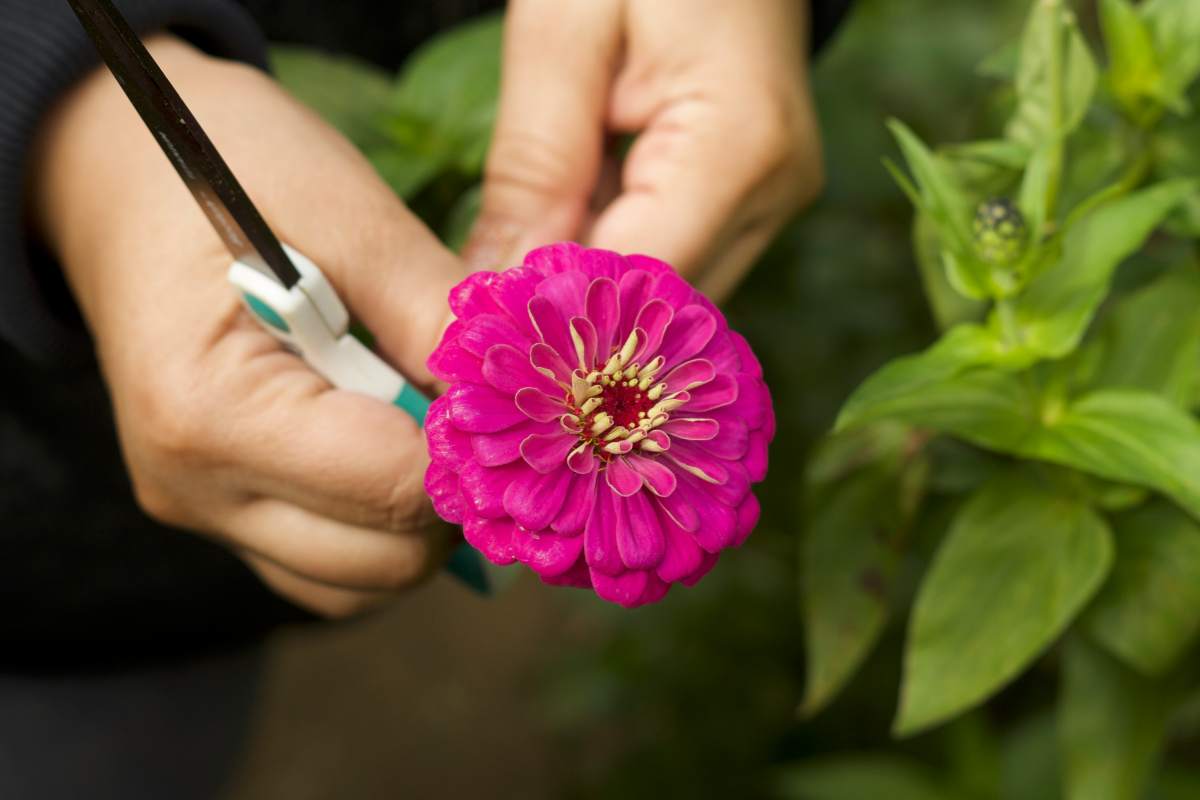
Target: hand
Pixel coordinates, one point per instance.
(717, 91)
(224, 432)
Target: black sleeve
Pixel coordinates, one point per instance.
(827, 15)
(43, 50)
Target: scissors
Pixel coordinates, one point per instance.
(284, 291)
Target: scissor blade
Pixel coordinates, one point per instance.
(184, 142)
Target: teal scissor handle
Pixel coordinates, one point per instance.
(310, 319)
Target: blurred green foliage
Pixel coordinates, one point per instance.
(722, 691)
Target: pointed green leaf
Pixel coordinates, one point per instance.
(942, 197)
(1129, 436)
(1175, 28)
(1112, 723)
(1151, 340)
(1149, 611)
(1134, 72)
(850, 556)
(950, 307)
(1057, 305)
(349, 94)
(1056, 77)
(1020, 561)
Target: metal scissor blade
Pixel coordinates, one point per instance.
(189, 149)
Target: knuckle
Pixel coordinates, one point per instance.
(170, 421)
(525, 164)
(406, 566)
(154, 501)
(784, 147)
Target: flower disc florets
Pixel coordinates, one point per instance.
(603, 424)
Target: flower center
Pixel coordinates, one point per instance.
(618, 405)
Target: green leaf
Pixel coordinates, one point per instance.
(351, 95)
(1134, 72)
(942, 199)
(1129, 436)
(1149, 611)
(1057, 305)
(445, 101)
(897, 389)
(950, 307)
(851, 550)
(1056, 77)
(860, 777)
(1175, 28)
(1021, 560)
(1112, 724)
(1029, 761)
(1151, 340)
(1177, 156)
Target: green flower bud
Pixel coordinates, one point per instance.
(1000, 233)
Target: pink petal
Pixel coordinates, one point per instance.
(551, 327)
(539, 406)
(548, 451)
(689, 375)
(720, 391)
(653, 318)
(655, 590)
(673, 289)
(484, 487)
(482, 332)
(533, 500)
(756, 456)
(545, 553)
(583, 462)
(509, 370)
(698, 462)
(452, 363)
(750, 362)
(634, 289)
(600, 535)
(621, 477)
(544, 357)
(578, 576)
(447, 444)
(481, 409)
(599, 263)
(640, 540)
(604, 310)
(659, 438)
(555, 258)
(473, 296)
(747, 517)
(495, 449)
(565, 291)
(511, 291)
(689, 332)
(441, 484)
(587, 337)
(492, 537)
(682, 556)
(652, 265)
(578, 505)
(710, 561)
(694, 429)
(721, 352)
(735, 488)
(732, 441)
(717, 527)
(625, 589)
(679, 509)
(657, 476)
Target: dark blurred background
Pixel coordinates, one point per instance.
(546, 692)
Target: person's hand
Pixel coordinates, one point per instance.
(717, 91)
(224, 432)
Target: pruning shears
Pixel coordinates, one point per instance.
(287, 293)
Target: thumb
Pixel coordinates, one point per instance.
(559, 60)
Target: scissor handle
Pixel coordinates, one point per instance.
(311, 320)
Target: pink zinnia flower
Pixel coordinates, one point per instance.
(603, 425)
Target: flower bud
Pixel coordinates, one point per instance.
(1000, 233)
